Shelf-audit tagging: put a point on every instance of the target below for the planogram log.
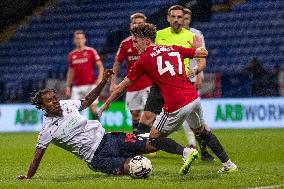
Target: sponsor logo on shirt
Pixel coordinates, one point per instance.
(131, 58)
(80, 61)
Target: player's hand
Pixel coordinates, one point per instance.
(107, 74)
(196, 43)
(68, 92)
(192, 72)
(22, 177)
(200, 52)
(103, 108)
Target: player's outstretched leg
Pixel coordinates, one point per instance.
(168, 145)
(214, 144)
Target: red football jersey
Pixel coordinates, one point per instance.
(164, 64)
(82, 61)
(130, 54)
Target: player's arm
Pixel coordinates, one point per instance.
(118, 91)
(100, 70)
(116, 69)
(199, 78)
(200, 66)
(69, 80)
(199, 44)
(95, 93)
(137, 70)
(34, 164)
(116, 66)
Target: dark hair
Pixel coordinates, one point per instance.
(175, 7)
(77, 32)
(37, 98)
(138, 15)
(145, 31)
(187, 11)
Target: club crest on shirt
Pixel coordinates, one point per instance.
(74, 56)
(85, 54)
(69, 111)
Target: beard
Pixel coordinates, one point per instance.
(176, 27)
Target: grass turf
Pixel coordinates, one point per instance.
(259, 155)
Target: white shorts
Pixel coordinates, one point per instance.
(136, 100)
(167, 123)
(80, 92)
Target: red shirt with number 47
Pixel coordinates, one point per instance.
(164, 65)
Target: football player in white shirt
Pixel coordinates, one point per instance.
(197, 80)
(64, 126)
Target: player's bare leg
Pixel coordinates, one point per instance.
(94, 112)
(146, 121)
(136, 114)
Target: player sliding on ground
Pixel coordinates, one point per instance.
(164, 65)
(64, 126)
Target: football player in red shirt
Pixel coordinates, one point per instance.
(80, 73)
(138, 92)
(164, 65)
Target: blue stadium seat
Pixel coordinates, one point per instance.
(253, 29)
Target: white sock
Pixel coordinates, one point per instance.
(229, 163)
(189, 135)
(186, 152)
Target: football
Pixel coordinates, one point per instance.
(140, 167)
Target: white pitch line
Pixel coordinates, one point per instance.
(268, 187)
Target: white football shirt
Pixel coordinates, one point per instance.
(72, 132)
(193, 62)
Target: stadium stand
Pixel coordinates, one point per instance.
(38, 51)
(234, 38)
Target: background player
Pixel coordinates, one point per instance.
(164, 64)
(80, 72)
(65, 127)
(137, 94)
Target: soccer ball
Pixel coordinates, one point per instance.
(140, 167)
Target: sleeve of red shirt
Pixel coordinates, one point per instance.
(120, 53)
(136, 71)
(69, 60)
(96, 56)
(187, 52)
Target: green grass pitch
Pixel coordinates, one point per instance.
(259, 155)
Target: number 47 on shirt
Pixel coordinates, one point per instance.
(168, 66)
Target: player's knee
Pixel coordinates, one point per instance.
(150, 148)
(147, 118)
(154, 133)
(135, 115)
(199, 129)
